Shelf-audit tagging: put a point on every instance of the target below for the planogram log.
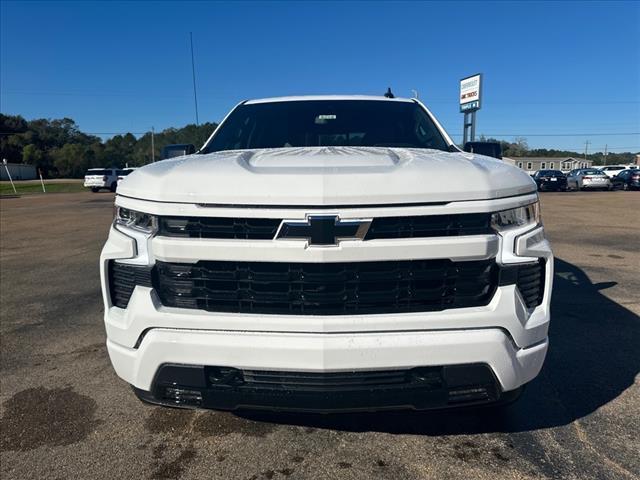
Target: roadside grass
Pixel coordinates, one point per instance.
(36, 187)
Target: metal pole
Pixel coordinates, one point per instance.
(473, 126)
(464, 129)
(4, 160)
(153, 146)
(193, 73)
(41, 180)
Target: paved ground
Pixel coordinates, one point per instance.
(64, 413)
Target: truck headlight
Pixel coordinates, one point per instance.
(516, 217)
(140, 221)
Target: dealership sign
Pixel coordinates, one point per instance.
(470, 93)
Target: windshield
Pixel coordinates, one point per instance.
(313, 123)
(592, 172)
(549, 173)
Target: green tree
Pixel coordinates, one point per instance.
(32, 155)
(71, 160)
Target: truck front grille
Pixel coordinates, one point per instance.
(326, 288)
(421, 226)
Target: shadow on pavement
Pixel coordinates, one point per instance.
(593, 358)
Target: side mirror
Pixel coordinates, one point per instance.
(177, 150)
(490, 149)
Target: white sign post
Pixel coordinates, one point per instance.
(4, 161)
(470, 95)
(41, 180)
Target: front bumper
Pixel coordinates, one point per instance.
(504, 335)
(316, 353)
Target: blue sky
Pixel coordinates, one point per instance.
(549, 68)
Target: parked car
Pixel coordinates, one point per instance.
(550, 180)
(326, 259)
(628, 179)
(101, 178)
(613, 170)
(588, 179)
(123, 173)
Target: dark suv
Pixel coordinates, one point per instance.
(550, 180)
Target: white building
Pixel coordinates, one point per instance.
(18, 171)
(533, 164)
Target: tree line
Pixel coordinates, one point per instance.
(60, 149)
(520, 148)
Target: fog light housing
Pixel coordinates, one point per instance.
(182, 396)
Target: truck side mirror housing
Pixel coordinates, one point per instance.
(490, 149)
(177, 150)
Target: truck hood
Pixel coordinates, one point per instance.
(326, 176)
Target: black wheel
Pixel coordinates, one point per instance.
(114, 185)
(95, 189)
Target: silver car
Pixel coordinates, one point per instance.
(588, 178)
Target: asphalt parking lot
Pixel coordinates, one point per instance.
(65, 414)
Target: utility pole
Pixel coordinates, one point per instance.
(605, 153)
(193, 73)
(153, 146)
(586, 148)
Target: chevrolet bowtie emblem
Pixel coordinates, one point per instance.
(323, 229)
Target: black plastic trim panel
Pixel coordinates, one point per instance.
(228, 388)
(123, 278)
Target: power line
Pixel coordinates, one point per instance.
(88, 133)
(599, 134)
(439, 102)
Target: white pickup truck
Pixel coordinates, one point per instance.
(327, 253)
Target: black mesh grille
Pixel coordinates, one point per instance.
(327, 381)
(122, 280)
(219, 227)
(430, 226)
(381, 227)
(326, 288)
(530, 282)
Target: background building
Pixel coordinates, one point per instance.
(532, 164)
(19, 171)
